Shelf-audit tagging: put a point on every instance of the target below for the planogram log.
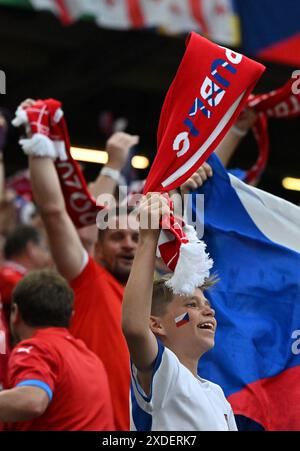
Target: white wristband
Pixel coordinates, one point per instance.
(110, 172)
(238, 132)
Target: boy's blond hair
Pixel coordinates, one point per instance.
(162, 295)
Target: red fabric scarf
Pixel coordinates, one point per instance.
(208, 93)
(49, 130)
(281, 103)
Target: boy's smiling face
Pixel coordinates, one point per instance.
(196, 333)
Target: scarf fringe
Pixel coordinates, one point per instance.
(42, 146)
(39, 145)
(21, 117)
(192, 267)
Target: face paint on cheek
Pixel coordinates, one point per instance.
(182, 319)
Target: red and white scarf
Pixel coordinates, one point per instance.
(280, 103)
(209, 91)
(50, 138)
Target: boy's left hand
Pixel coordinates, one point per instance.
(152, 208)
(197, 179)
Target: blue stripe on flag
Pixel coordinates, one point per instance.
(268, 22)
(257, 300)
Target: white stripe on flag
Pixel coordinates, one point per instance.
(174, 16)
(277, 219)
(180, 318)
(114, 14)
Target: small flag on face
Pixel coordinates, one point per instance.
(182, 319)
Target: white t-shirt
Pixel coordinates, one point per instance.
(178, 400)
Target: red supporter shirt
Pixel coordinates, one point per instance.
(10, 274)
(4, 351)
(72, 376)
(97, 321)
(4, 348)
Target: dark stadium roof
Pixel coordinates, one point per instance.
(91, 69)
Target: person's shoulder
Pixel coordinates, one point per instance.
(9, 274)
(168, 351)
(85, 356)
(98, 273)
(35, 352)
(167, 360)
(95, 278)
(87, 275)
(28, 350)
(30, 344)
(215, 388)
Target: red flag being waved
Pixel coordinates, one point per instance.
(208, 93)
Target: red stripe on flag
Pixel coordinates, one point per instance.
(182, 322)
(197, 12)
(135, 13)
(286, 51)
(273, 402)
(64, 14)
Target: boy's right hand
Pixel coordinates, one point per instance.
(151, 209)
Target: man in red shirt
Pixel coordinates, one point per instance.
(98, 283)
(54, 381)
(24, 251)
(3, 352)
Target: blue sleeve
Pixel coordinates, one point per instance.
(156, 365)
(37, 383)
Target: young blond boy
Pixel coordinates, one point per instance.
(167, 335)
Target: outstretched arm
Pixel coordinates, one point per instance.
(229, 144)
(22, 404)
(64, 241)
(137, 300)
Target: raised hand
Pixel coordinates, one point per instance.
(118, 146)
(197, 179)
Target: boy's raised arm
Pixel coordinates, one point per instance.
(136, 312)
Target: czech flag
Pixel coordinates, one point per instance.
(182, 319)
(271, 29)
(253, 238)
